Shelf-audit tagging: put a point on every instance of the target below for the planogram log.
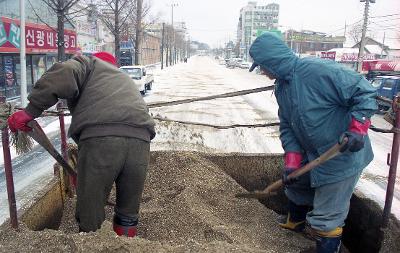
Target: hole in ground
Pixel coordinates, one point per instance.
(362, 231)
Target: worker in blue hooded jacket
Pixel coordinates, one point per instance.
(320, 103)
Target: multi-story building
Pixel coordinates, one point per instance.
(179, 39)
(86, 28)
(41, 43)
(253, 21)
(309, 42)
(150, 49)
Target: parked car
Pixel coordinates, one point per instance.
(142, 79)
(238, 62)
(388, 87)
(231, 64)
(221, 62)
(245, 65)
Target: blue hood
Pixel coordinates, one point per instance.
(273, 55)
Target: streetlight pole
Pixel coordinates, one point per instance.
(22, 53)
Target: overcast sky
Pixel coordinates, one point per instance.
(215, 21)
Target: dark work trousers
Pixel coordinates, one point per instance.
(101, 162)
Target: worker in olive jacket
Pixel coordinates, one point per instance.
(320, 102)
(112, 127)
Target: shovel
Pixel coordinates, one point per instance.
(272, 188)
(40, 137)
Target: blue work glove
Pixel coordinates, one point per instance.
(355, 135)
(292, 163)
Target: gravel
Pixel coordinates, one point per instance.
(188, 206)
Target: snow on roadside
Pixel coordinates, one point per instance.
(50, 129)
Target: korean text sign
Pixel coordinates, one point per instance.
(39, 38)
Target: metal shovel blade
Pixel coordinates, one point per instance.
(40, 137)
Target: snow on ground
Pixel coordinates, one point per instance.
(203, 76)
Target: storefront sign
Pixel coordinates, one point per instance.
(39, 38)
(328, 55)
(3, 34)
(295, 36)
(14, 36)
(352, 57)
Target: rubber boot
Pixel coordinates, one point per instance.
(326, 242)
(296, 217)
(329, 244)
(124, 225)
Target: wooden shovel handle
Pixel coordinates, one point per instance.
(329, 154)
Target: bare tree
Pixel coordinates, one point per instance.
(115, 14)
(62, 9)
(138, 22)
(138, 25)
(355, 33)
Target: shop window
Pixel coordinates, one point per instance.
(39, 66)
(50, 60)
(8, 80)
(28, 70)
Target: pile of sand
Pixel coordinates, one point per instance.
(188, 206)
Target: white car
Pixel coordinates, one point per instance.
(245, 65)
(142, 79)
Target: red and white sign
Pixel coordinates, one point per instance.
(328, 55)
(39, 38)
(381, 65)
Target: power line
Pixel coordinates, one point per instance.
(344, 27)
(385, 25)
(390, 15)
(386, 20)
(211, 30)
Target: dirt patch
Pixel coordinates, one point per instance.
(188, 206)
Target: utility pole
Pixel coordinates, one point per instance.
(60, 32)
(383, 44)
(167, 48)
(188, 48)
(162, 46)
(138, 32)
(173, 55)
(364, 30)
(291, 39)
(22, 53)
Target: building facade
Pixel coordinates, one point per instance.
(92, 35)
(41, 44)
(150, 49)
(373, 47)
(253, 21)
(309, 42)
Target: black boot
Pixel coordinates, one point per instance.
(329, 244)
(296, 218)
(326, 242)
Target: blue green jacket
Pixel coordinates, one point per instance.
(317, 99)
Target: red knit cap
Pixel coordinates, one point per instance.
(105, 56)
